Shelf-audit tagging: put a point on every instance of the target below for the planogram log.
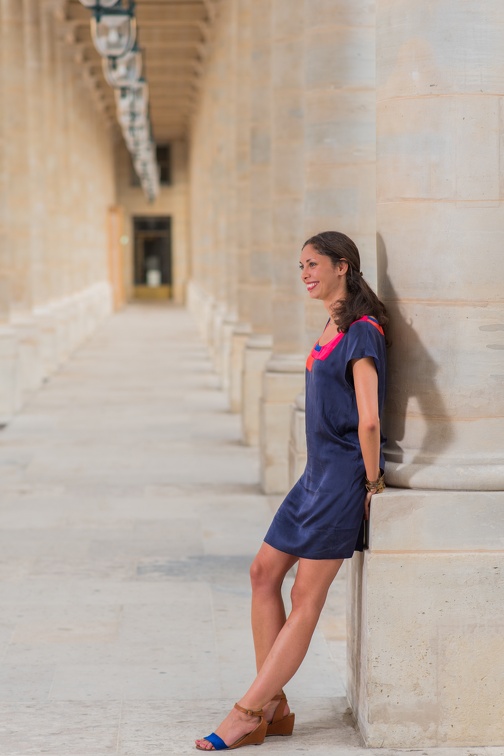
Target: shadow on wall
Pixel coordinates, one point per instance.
(411, 375)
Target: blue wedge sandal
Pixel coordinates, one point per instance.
(256, 737)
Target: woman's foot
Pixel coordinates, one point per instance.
(273, 705)
(234, 727)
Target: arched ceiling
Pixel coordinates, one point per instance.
(173, 35)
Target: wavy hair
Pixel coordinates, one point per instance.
(361, 299)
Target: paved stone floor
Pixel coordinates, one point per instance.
(129, 513)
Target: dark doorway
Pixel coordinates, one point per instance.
(153, 263)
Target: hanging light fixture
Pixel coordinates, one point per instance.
(123, 71)
(113, 29)
(134, 99)
(102, 3)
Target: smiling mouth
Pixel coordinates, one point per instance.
(311, 286)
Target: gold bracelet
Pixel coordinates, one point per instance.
(375, 486)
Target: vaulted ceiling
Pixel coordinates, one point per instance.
(173, 36)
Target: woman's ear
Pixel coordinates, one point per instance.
(343, 266)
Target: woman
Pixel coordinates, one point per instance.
(320, 522)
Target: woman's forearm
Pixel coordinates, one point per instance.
(369, 439)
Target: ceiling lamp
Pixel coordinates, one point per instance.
(134, 99)
(113, 30)
(123, 71)
(136, 130)
(99, 3)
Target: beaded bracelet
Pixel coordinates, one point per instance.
(375, 486)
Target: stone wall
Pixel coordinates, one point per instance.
(383, 120)
(281, 109)
(426, 663)
(56, 186)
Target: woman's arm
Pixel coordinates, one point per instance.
(366, 392)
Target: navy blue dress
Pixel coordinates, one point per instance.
(322, 516)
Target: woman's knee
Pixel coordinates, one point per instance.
(307, 598)
(265, 575)
(260, 576)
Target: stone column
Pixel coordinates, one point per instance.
(218, 115)
(340, 150)
(284, 374)
(426, 663)
(36, 149)
(50, 138)
(16, 141)
(240, 191)
(15, 251)
(259, 291)
(27, 325)
(8, 340)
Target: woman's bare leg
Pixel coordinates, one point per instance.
(267, 574)
(309, 593)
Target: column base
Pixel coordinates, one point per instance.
(239, 337)
(35, 344)
(220, 337)
(282, 381)
(30, 366)
(201, 305)
(257, 353)
(10, 396)
(426, 621)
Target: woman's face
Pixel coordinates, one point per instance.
(322, 279)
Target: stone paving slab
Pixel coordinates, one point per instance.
(129, 514)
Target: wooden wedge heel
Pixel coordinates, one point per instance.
(280, 724)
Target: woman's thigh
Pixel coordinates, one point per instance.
(313, 580)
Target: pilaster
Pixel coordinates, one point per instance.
(339, 150)
(256, 355)
(427, 606)
(259, 292)
(284, 374)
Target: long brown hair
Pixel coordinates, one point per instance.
(361, 299)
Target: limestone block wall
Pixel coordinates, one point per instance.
(424, 665)
(56, 183)
(268, 169)
(339, 150)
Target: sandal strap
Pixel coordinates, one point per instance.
(250, 712)
(280, 697)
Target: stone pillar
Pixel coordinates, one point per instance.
(284, 374)
(219, 167)
(427, 618)
(224, 193)
(259, 290)
(16, 141)
(217, 116)
(14, 253)
(240, 190)
(339, 147)
(31, 372)
(50, 137)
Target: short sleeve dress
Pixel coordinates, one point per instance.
(322, 516)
